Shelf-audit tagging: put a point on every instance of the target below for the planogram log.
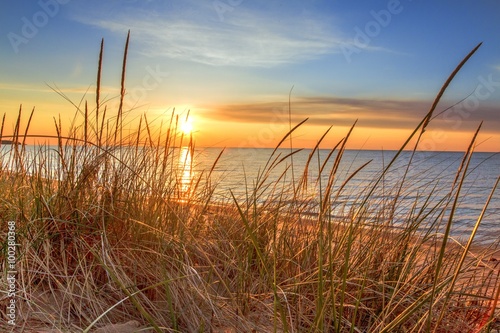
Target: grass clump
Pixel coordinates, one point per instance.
(110, 231)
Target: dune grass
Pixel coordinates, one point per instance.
(109, 232)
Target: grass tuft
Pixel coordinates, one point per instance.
(110, 230)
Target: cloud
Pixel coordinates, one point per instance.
(244, 38)
(327, 111)
(337, 111)
(52, 87)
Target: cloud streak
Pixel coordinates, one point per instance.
(244, 38)
(337, 111)
(52, 87)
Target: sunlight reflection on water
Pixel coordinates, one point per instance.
(185, 172)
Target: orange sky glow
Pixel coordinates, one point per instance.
(239, 72)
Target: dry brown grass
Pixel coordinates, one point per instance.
(106, 243)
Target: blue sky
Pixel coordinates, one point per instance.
(234, 62)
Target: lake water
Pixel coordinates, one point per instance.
(428, 181)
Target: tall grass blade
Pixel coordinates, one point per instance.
(423, 124)
(463, 170)
(98, 91)
(119, 117)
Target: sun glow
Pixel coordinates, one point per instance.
(187, 127)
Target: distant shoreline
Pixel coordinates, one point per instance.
(8, 142)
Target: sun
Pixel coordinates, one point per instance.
(187, 127)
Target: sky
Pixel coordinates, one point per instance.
(241, 67)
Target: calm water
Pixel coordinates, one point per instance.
(429, 180)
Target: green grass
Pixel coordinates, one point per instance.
(106, 239)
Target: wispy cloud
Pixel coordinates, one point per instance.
(328, 111)
(373, 113)
(244, 38)
(22, 87)
(52, 88)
